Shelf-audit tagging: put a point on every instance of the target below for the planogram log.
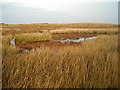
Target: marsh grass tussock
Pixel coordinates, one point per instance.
(9, 50)
(32, 37)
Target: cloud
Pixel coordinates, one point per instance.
(80, 12)
(52, 5)
(49, 5)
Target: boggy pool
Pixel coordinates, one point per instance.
(76, 40)
(67, 41)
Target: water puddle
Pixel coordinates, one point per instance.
(76, 40)
(26, 51)
(65, 41)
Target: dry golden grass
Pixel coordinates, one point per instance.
(92, 64)
(27, 37)
(7, 50)
(32, 28)
(10, 51)
(6, 40)
(44, 26)
(32, 37)
(85, 31)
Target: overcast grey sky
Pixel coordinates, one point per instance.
(58, 11)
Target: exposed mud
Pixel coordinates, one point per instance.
(71, 36)
(55, 42)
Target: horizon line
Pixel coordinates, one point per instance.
(61, 23)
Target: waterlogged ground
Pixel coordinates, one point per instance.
(71, 36)
(59, 40)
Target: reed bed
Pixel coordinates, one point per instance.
(90, 65)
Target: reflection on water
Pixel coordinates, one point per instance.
(66, 41)
(26, 51)
(76, 40)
